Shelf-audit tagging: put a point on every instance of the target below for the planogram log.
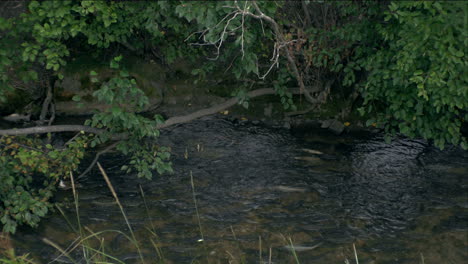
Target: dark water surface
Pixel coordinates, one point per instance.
(259, 187)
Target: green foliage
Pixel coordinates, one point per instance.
(421, 78)
(423, 71)
(241, 95)
(122, 100)
(13, 70)
(52, 31)
(230, 40)
(29, 175)
(32, 169)
(280, 86)
(11, 258)
(408, 62)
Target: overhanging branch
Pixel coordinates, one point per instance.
(49, 129)
(169, 122)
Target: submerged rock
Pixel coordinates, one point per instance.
(337, 127)
(327, 123)
(268, 111)
(333, 125)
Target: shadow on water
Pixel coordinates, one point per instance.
(399, 203)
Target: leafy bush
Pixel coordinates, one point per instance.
(30, 172)
(418, 73)
(406, 60)
(32, 169)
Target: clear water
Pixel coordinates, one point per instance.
(259, 187)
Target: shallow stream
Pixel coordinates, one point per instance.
(262, 191)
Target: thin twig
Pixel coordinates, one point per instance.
(96, 158)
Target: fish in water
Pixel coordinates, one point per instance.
(312, 151)
(17, 118)
(309, 159)
(299, 248)
(283, 188)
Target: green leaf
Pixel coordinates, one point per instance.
(124, 74)
(114, 65)
(53, 154)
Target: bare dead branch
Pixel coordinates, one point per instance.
(281, 44)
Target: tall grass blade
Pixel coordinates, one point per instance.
(102, 253)
(153, 229)
(294, 251)
(158, 250)
(355, 254)
(72, 227)
(233, 233)
(77, 210)
(269, 256)
(63, 252)
(111, 188)
(260, 248)
(196, 206)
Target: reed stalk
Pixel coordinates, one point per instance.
(111, 188)
(77, 210)
(260, 249)
(196, 207)
(62, 251)
(153, 229)
(294, 251)
(355, 254)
